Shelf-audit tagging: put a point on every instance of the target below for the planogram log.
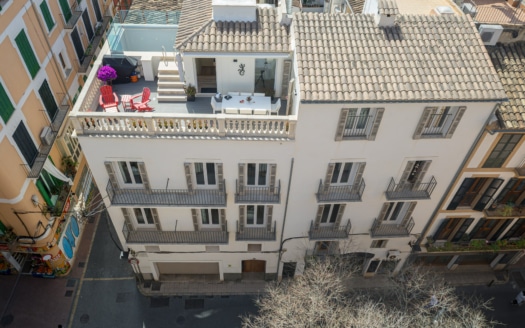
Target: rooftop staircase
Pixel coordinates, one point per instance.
(169, 86)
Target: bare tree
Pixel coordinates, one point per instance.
(319, 298)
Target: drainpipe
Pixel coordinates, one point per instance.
(458, 172)
(284, 217)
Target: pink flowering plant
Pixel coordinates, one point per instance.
(106, 73)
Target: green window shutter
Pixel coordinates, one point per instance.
(27, 53)
(47, 98)
(66, 10)
(6, 107)
(47, 15)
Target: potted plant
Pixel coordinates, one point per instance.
(107, 74)
(190, 92)
(70, 165)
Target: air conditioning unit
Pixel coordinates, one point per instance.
(469, 9)
(490, 33)
(393, 255)
(46, 136)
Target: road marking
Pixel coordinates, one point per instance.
(109, 279)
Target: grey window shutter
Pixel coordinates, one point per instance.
(287, 73)
(241, 177)
(317, 222)
(404, 177)
(487, 195)
(127, 219)
(377, 122)
(358, 177)
(220, 176)
(144, 175)
(422, 171)
(155, 215)
(423, 121)
(455, 123)
(222, 217)
(242, 220)
(510, 184)
(339, 216)
(464, 226)
(273, 172)
(195, 219)
(341, 124)
(382, 213)
(111, 173)
(328, 177)
(187, 172)
(269, 211)
(409, 212)
(442, 226)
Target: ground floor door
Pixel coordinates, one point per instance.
(253, 270)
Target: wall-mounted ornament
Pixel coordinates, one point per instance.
(241, 69)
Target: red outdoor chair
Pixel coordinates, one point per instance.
(108, 99)
(142, 106)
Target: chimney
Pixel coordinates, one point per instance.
(386, 13)
(234, 10)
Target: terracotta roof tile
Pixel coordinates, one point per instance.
(267, 34)
(422, 57)
(509, 62)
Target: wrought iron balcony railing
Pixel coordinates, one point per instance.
(255, 233)
(33, 171)
(72, 15)
(167, 197)
(95, 43)
(346, 193)
(406, 190)
(327, 233)
(176, 237)
(258, 194)
(385, 229)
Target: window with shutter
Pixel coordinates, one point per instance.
(27, 53)
(6, 106)
(397, 212)
(503, 149)
(25, 144)
(358, 123)
(48, 99)
(48, 18)
(210, 218)
(146, 218)
(66, 10)
(439, 122)
(130, 173)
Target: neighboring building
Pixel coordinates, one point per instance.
(351, 155)
(44, 178)
(479, 222)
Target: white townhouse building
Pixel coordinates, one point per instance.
(332, 133)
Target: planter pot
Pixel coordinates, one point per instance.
(190, 98)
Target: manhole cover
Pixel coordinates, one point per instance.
(84, 318)
(180, 320)
(156, 302)
(7, 320)
(69, 293)
(194, 304)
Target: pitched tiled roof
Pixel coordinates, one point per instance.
(347, 58)
(265, 35)
(357, 6)
(194, 15)
(509, 61)
(388, 7)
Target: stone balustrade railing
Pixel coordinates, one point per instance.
(209, 125)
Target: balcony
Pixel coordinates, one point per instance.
(95, 44)
(34, 170)
(508, 210)
(73, 16)
(166, 197)
(255, 234)
(327, 233)
(347, 193)
(406, 190)
(173, 119)
(257, 194)
(384, 229)
(176, 237)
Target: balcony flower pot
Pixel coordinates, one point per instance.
(191, 91)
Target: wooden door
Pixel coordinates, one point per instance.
(253, 266)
